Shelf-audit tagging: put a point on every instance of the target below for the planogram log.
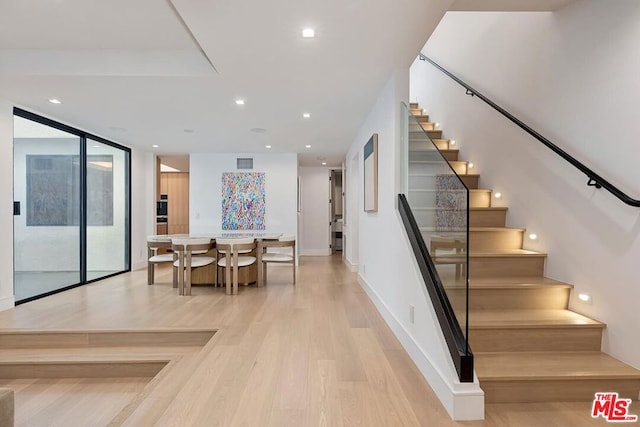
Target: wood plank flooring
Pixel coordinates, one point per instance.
(315, 354)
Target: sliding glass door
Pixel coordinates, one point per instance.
(71, 207)
(107, 209)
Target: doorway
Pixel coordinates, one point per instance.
(336, 213)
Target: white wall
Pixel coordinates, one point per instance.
(350, 233)
(205, 190)
(6, 214)
(387, 266)
(573, 76)
(143, 205)
(314, 211)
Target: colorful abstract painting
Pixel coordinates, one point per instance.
(243, 201)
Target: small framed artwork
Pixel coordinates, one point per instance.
(371, 174)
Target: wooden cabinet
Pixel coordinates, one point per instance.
(176, 186)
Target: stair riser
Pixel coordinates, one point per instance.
(420, 126)
(535, 339)
(570, 390)
(480, 267)
(424, 144)
(422, 182)
(421, 155)
(480, 199)
(487, 218)
(495, 240)
(61, 339)
(422, 197)
(422, 118)
(450, 154)
(471, 181)
(514, 298)
(435, 167)
(109, 369)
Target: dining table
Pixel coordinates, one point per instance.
(206, 275)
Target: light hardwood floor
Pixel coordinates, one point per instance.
(317, 354)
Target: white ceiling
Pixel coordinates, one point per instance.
(139, 72)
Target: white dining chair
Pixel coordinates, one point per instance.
(234, 254)
(153, 257)
(266, 257)
(185, 249)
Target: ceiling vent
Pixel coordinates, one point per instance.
(244, 163)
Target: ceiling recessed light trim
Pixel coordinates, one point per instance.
(308, 146)
(306, 115)
(308, 33)
(55, 101)
(267, 146)
(239, 101)
(155, 146)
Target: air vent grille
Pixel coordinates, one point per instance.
(246, 163)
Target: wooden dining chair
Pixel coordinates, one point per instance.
(185, 249)
(153, 258)
(234, 254)
(266, 257)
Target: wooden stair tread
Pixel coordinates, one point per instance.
(516, 282)
(496, 229)
(551, 366)
(505, 253)
(510, 253)
(433, 174)
(525, 318)
(488, 208)
(511, 283)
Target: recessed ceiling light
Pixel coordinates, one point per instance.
(240, 101)
(258, 130)
(308, 146)
(188, 131)
(55, 101)
(267, 146)
(155, 145)
(308, 33)
(306, 115)
(324, 163)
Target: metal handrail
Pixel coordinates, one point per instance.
(457, 342)
(595, 180)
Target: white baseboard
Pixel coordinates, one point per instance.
(352, 267)
(139, 266)
(463, 401)
(314, 252)
(7, 302)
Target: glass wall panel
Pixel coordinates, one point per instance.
(107, 209)
(47, 185)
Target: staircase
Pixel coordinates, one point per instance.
(528, 346)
